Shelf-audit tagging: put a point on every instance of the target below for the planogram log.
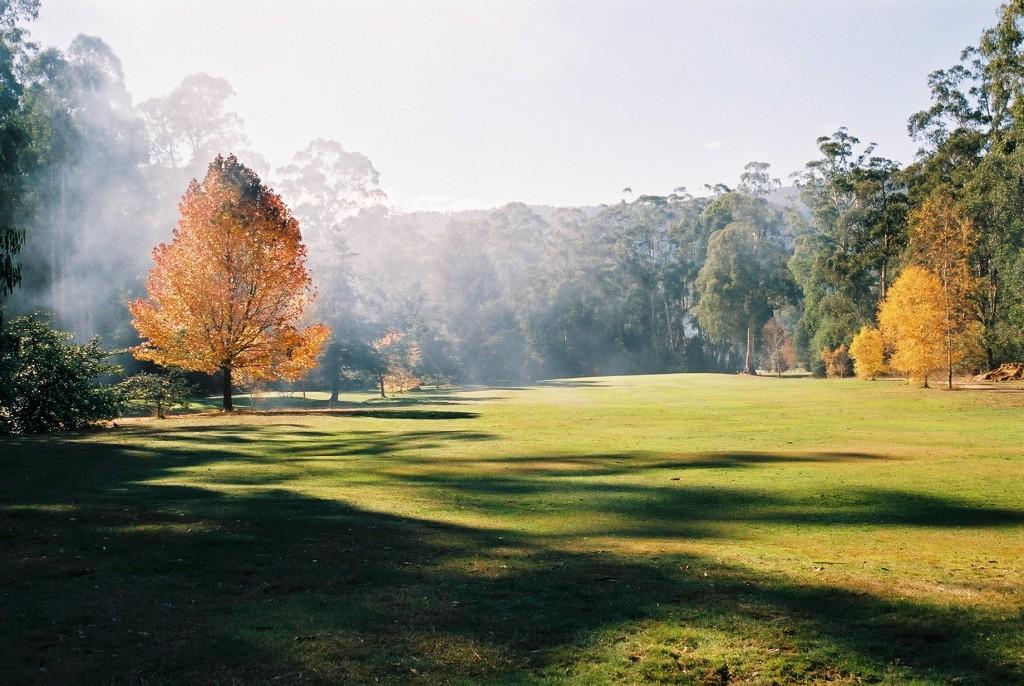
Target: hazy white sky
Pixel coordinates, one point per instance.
(471, 104)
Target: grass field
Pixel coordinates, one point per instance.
(676, 529)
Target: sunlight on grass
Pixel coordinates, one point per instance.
(661, 528)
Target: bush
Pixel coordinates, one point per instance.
(868, 353)
(158, 392)
(837, 362)
(50, 383)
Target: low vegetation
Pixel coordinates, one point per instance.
(675, 529)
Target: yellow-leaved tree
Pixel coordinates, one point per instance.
(837, 361)
(942, 239)
(868, 353)
(229, 291)
(912, 320)
(399, 356)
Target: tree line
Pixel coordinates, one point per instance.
(921, 261)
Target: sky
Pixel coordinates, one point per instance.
(477, 103)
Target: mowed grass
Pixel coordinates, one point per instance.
(677, 529)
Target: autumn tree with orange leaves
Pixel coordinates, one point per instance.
(229, 291)
(942, 238)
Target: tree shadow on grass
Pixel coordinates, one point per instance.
(296, 404)
(576, 383)
(377, 413)
(108, 577)
(302, 444)
(733, 459)
(689, 510)
(455, 396)
(558, 465)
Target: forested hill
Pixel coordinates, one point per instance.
(430, 223)
(524, 291)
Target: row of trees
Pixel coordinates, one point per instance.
(960, 300)
(670, 283)
(749, 276)
(927, 320)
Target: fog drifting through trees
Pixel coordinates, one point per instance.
(679, 282)
(507, 294)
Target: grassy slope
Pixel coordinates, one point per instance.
(684, 529)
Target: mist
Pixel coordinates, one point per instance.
(508, 294)
(109, 174)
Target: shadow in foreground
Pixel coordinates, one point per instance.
(106, 578)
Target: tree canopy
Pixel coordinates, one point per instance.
(229, 291)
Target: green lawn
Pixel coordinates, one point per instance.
(678, 529)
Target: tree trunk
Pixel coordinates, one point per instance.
(654, 332)
(748, 360)
(949, 361)
(949, 337)
(228, 407)
(380, 380)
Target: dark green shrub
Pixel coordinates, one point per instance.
(50, 383)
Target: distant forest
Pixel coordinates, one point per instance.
(724, 278)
